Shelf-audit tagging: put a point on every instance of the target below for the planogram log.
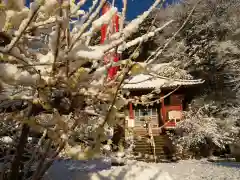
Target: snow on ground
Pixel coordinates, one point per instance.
(134, 170)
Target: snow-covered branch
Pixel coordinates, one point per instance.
(58, 84)
(143, 38)
(24, 25)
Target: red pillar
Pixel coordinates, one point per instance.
(131, 114)
(163, 109)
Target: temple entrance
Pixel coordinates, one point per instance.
(145, 116)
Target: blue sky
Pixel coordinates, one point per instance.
(135, 7)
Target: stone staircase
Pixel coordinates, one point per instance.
(144, 152)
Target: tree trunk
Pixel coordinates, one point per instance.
(17, 163)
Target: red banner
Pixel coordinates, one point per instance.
(106, 32)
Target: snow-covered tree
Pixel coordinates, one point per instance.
(53, 80)
(207, 46)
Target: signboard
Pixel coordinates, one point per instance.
(174, 115)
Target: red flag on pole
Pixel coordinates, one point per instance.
(106, 32)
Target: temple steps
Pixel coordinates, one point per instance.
(144, 151)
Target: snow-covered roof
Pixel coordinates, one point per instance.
(165, 75)
(144, 81)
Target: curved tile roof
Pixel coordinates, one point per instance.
(148, 81)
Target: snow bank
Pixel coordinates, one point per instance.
(133, 171)
(101, 169)
(183, 170)
(74, 169)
